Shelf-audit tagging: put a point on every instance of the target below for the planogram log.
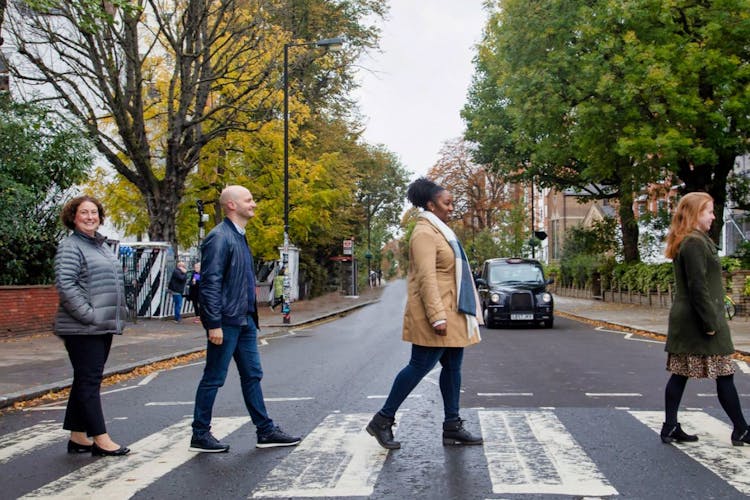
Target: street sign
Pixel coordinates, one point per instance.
(348, 244)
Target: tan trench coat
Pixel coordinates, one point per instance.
(432, 292)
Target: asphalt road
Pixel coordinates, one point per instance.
(569, 412)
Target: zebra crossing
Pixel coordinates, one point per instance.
(526, 451)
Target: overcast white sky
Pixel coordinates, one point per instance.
(414, 90)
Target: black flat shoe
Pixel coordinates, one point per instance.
(100, 452)
(741, 437)
(78, 448)
(670, 433)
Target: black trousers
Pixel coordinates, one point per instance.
(87, 354)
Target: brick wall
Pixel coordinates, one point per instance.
(26, 310)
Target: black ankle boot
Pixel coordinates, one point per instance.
(739, 438)
(381, 428)
(454, 433)
(673, 432)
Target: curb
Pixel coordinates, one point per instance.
(7, 400)
(628, 328)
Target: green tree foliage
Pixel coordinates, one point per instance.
(608, 96)
(40, 158)
(324, 86)
(163, 86)
(588, 251)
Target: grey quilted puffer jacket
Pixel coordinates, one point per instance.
(91, 287)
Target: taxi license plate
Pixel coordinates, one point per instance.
(522, 317)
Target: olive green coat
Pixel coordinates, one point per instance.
(698, 305)
(432, 291)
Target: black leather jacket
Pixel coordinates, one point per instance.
(223, 290)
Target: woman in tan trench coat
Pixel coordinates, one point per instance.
(699, 343)
(440, 317)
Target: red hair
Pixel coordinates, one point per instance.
(685, 220)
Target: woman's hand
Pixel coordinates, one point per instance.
(441, 329)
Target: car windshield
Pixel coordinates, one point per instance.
(516, 273)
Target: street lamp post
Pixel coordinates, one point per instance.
(329, 44)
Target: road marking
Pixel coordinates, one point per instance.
(614, 394)
(148, 378)
(629, 335)
(120, 389)
(744, 367)
(713, 395)
(45, 408)
(502, 394)
(713, 450)
(151, 458)
(24, 441)
(531, 452)
(337, 459)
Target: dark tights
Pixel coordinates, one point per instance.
(725, 389)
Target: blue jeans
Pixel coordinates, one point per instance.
(177, 299)
(240, 342)
(423, 359)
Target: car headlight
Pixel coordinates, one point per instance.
(496, 298)
(546, 297)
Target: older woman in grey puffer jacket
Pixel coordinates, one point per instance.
(90, 284)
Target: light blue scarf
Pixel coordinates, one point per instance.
(468, 299)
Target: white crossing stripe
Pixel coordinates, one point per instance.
(531, 452)
(502, 394)
(337, 459)
(744, 368)
(713, 449)
(614, 394)
(24, 441)
(150, 458)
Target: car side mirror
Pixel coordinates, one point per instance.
(550, 281)
(481, 282)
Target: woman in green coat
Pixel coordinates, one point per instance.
(699, 344)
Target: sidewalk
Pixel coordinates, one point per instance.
(35, 365)
(637, 317)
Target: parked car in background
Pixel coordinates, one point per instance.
(514, 291)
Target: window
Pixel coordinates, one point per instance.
(4, 76)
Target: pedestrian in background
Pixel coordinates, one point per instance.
(91, 286)
(177, 286)
(441, 318)
(699, 344)
(194, 291)
(278, 289)
(229, 313)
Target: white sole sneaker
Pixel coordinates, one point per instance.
(277, 445)
(204, 450)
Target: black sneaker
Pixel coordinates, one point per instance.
(277, 438)
(207, 444)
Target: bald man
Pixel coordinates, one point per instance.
(229, 314)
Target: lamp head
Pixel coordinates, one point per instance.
(332, 44)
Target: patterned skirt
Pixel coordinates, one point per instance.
(700, 366)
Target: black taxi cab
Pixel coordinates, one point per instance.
(514, 291)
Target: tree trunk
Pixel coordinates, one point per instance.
(711, 179)
(3, 4)
(629, 226)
